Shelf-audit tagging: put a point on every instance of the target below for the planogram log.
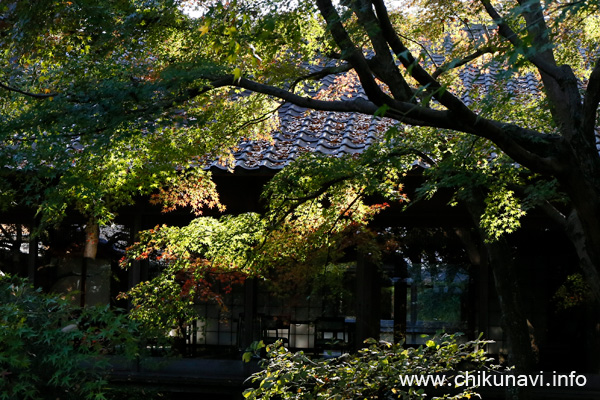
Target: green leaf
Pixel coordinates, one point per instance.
(237, 74)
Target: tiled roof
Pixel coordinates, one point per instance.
(485, 79)
(305, 131)
(302, 130)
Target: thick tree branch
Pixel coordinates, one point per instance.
(522, 145)
(562, 89)
(358, 104)
(591, 101)
(385, 66)
(402, 112)
(530, 148)
(560, 82)
(519, 143)
(29, 94)
(510, 35)
(351, 53)
(538, 30)
(577, 234)
(446, 98)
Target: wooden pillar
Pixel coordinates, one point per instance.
(482, 281)
(16, 250)
(368, 300)
(414, 300)
(135, 270)
(32, 254)
(250, 319)
(400, 306)
(483, 312)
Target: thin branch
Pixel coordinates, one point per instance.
(554, 214)
(422, 46)
(260, 119)
(373, 63)
(321, 74)
(459, 63)
(472, 147)
(467, 26)
(546, 206)
(343, 213)
(322, 190)
(423, 155)
(405, 151)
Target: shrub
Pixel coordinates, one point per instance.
(375, 372)
(51, 350)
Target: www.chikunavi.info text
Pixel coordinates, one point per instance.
(497, 379)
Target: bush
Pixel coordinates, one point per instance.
(51, 350)
(375, 372)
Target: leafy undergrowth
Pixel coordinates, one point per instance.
(375, 372)
(52, 350)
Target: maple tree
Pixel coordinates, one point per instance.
(290, 246)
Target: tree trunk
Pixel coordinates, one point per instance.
(515, 323)
(583, 227)
(92, 236)
(581, 182)
(575, 231)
